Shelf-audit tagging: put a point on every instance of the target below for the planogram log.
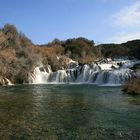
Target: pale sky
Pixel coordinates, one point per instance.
(104, 21)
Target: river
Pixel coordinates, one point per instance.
(68, 112)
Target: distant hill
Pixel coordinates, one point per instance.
(130, 48)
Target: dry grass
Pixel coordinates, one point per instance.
(132, 87)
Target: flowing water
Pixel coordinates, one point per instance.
(109, 73)
(68, 112)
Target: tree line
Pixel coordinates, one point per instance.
(19, 55)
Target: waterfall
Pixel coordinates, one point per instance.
(114, 77)
(101, 73)
(8, 82)
(5, 81)
(88, 73)
(40, 75)
(59, 76)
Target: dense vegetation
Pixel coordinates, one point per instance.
(78, 49)
(132, 87)
(130, 48)
(19, 56)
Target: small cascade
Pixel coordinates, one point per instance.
(103, 73)
(40, 75)
(73, 73)
(59, 76)
(5, 81)
(8, 82)
(88, 72)
(114, 77)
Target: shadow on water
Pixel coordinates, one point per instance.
(68, 112)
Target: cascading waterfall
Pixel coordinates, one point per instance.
(40, 75)
(59, 76)
(96, 73)
(114, 76)
(88, 73)
(5, 81)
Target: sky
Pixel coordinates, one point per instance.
(104, 21)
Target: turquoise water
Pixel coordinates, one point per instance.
(68, 112)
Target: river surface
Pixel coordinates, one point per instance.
(68, 112)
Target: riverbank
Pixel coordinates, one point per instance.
(132, 87)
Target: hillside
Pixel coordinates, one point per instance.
(130, 49)
(19, 56)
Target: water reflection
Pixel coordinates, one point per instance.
(67, 112)
(61, 112)
(14, 112)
